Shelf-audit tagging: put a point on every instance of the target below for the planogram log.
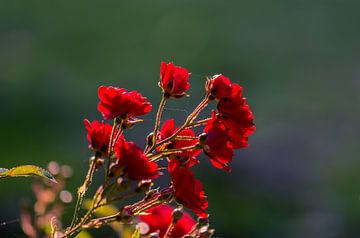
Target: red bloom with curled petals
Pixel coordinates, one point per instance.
(98, 135)
(237, 117)
(217, 145)
(187, 190)
(167, 130)
(174, 79)
(159, 219)
(219, 86)
(117, 102)
(137, 166)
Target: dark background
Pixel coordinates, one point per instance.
(298, 62)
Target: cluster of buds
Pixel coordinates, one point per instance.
(131, 170)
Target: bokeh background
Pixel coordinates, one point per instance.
(298, 62)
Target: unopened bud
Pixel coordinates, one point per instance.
(144, 186)
(202, 139)
(202, 221)
(99, 163)
(115, 170)
(177, 214)
(119, 119)
(149, 139)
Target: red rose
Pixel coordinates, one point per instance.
(117, 102)
(159, 219)
(220, 86)
(237, 117)
(217, 145)
(98, 134)
(168, 129)
(174, 79)
(136, 165)
(187, 190)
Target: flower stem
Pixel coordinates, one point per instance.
(169, 230)
(199, 123)
(157, 122)
(172, 151)
(115, 125)
(82, 190)
(188, 121)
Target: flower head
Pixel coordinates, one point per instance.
(168, 129)
(136, 165)
(217, 145)
(98, 134)
(159, 219)
(117, 102)
(187, 190)
(237, 117)
(174, 79)
(219, 86)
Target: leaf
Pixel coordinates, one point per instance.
(26, 171)
(136, 233)
(103, 211)
(84, 234)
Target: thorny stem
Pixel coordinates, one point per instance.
(118, 134)
(172, 151)
(82, 190)
(188, 121)
(110, 147)
(157, 121)
(112, 136)
(199, 123)
(185, 138)
(169, 230)
(85, 220)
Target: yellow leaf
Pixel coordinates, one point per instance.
(26, 171)
(136, 233)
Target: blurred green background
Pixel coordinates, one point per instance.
(298, 62)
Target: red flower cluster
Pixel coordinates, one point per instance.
(98, 135)
(217, 145)
(159, 219)
(117, 102)
(130, 157)
(237, 117)
(174, 80)
(188, 190)
(232, 126)
(187, 156)
(220, 86)
(227, 129)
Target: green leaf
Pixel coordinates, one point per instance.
(84, 234)
(103, 211)
(25, 171)
(136, 233)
